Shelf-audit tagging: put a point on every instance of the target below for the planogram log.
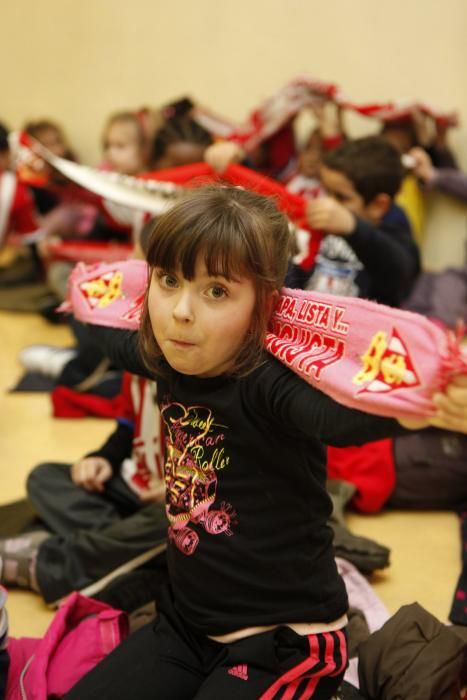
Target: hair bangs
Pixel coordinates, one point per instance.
(221, 247)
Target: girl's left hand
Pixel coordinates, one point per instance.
(451, 407)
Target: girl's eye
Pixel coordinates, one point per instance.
(217, 292)
(167, 280)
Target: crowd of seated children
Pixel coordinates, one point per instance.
(368, 250)
(128, 149)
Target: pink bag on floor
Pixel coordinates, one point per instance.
(81, 634)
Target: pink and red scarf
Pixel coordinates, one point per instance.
(364, 355)
(301, 92)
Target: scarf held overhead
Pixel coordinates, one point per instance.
(364, 355)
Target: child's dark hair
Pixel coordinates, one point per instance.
(176, 130)
(372, 165)
(236, 232)
(178, 108)
(405, 126)
(33, 128)
(4, 145)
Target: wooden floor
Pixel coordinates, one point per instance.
(29, 435)
(425, 547)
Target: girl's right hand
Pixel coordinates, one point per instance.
(91, 473)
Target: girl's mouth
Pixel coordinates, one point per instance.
(181, 343)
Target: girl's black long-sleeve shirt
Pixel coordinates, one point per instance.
(247, 505)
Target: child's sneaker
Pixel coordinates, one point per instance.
(46, 359)
(18, 559)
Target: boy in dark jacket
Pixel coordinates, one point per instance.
(369, 251)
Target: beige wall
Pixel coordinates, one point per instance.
(78, 61)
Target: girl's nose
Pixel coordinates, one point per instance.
(183, 309)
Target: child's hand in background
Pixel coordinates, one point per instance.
(326, 214)
(451, 407)
(91, 473)
(423, 168)
(221, 154)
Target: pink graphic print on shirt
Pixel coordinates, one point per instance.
(194, 454)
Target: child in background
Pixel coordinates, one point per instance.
(255, 607)
(370, 251)
(51, 135)
(180, 141)
(444, 179)
(327, 135)
(306, 180)
(422, 131)
(126, 143)
(68, 210)
(17, 211)
(100, 512)
(417, 130)
(49, 187)
(278, 157)
(130, 148)
(19, 264)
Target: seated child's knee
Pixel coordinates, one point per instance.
(39, 479)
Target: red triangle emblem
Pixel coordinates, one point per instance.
(387, 365)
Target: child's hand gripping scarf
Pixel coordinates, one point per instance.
(362, 354)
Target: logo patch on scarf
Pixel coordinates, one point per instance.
(386, 365)
(102, 291)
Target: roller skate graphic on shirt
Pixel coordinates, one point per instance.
(194, 454)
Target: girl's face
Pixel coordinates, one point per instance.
(122, 148)
(200, 324)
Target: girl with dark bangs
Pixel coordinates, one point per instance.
(255, 607)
